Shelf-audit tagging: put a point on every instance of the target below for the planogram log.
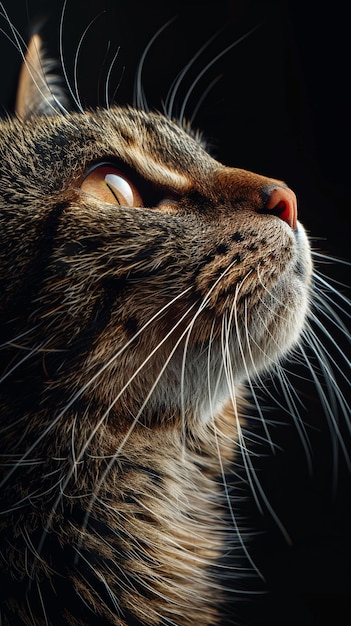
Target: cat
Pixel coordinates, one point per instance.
(143, 284)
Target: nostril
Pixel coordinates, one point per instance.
(282, 202)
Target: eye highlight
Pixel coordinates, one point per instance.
(107, 183)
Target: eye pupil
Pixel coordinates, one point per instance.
(120, 188)
(107, 183)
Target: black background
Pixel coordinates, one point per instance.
(280, 106)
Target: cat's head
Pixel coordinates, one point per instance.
(139, 276)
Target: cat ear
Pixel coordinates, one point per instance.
(39, 91)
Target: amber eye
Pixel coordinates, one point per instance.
(107, 183)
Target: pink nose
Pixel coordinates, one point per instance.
(282, 202)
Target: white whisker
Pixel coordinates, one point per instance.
(322, 296)
(333, 343)
(73, 94)
(326, 403)
(208, 66)
(325, 257)
(173, 91)
(14, 341)
(139, 99)
(26, 357)
(256, 487)
(41, 599)
(287, 392)
(202, 99)
(77, 99)
(109, 101)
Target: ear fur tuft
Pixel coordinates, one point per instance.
(39, 91)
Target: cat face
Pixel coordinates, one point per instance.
(141, 267)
